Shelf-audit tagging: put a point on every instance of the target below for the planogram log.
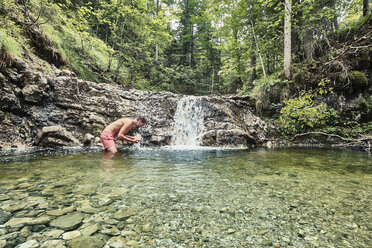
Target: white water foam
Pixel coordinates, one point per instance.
(188, 123)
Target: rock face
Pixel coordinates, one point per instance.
(58, 109)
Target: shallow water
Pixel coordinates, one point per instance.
(194, 198)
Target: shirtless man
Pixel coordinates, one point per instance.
(120, 127)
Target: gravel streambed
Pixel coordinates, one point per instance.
(194, 198)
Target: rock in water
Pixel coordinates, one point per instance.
(86, 242)
(4, 217)
(88, 139)
(30, 244)
(53, 243)
(67, 222)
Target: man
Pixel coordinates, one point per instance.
(120, 127)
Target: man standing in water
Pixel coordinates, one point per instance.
(120, 127)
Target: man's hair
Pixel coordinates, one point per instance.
(142, 118)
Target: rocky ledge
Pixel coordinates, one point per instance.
(40, 108)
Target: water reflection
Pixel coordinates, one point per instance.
(107, 160)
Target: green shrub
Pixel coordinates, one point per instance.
(268, 90)
(301, 114)
(365, 106)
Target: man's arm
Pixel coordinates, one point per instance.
(124, 130)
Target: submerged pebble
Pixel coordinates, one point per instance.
(263, 198)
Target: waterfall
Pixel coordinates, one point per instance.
(188, 122)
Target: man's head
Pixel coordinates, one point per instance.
(141, 121)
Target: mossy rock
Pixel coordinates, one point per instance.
(358, 80)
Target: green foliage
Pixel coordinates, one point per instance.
(267, 91)
(301, 113)
(365, 106)
(350, 129)
(353, 19)
(188, 46)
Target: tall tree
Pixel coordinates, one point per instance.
(365, 7)
(287, 38)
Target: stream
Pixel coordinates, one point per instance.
(170, 197)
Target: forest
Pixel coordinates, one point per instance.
(283, 54)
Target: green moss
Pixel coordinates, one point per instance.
(358, 80)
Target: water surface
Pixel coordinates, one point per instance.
(198, 198)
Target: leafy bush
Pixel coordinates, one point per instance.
(365, 105)
(268, 90)
(301, 113)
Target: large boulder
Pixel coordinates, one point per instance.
(55, 136)
(232, 137)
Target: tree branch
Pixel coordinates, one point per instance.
(333, 135)
(365, 142)
(321, 133)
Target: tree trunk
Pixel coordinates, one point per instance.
(119, 64)
(365, 7)
(156, 52)
(110, 62)
(308, 45)
(253, 75)
(258, 50)
(212, 81)
(157, 45)
(269, 64)
(335, 23)
(332, 5)
(191, 62)
(287, 38)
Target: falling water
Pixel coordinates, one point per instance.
(188, 122)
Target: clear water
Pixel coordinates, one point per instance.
(206, 198)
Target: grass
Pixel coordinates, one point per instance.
(9, 46)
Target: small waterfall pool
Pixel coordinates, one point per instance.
(166, 197)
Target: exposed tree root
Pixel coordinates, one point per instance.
(364, 143)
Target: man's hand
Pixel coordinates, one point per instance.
(137, 138)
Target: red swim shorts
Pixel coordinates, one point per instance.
(108, 139)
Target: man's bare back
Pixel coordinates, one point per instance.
(116, 126)
(120, 127)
